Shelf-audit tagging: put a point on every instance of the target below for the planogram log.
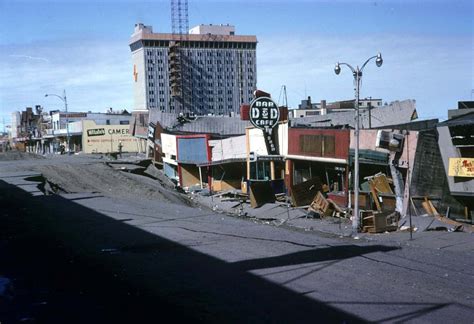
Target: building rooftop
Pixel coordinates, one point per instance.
(466, 119)
(397, 112)
(219, 125)
(143, 32)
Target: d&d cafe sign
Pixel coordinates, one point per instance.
(264, 114)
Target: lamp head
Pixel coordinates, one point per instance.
(46, 95)
(379, 60)
(337, 68)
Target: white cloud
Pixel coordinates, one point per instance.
(30, 57)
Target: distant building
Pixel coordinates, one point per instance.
(464, 107)
(208, 71)
(307, 108)
(15, 123)
(59, 130)
(98, 137)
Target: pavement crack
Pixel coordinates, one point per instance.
(404, 267)
(247, 237)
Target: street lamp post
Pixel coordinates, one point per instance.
(63, 99)
(357, 73)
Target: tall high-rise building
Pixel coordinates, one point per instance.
(210, 70)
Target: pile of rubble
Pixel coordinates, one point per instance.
(311, 199)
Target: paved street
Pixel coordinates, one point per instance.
(102, 257)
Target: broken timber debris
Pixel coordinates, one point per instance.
(381, 183)
(325, 207)
(379, 222)
(261, 192)
(380, 192)
(321, 205)
(303, 193)
(429, 207)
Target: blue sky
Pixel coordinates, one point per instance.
(82, 46)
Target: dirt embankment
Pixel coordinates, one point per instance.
(102, 179)
(18, 155)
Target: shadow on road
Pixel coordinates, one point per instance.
(75, 265)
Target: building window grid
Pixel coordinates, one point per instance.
(216, 86)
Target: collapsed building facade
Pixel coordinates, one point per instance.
(401, 161)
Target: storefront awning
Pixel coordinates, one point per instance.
(316, 159)
(232, 160)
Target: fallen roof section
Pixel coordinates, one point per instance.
(221, 125)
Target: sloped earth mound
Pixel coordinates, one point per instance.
(102, 179)
(18, 155)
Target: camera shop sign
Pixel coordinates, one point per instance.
(264, 114)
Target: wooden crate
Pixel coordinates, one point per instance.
(377, 222)
(321, 205)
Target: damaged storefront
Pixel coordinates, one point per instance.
(265, 165)
(318, 157)
(228, 163)
(193, 151)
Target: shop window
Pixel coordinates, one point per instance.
(260, 170)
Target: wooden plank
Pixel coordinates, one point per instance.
(375, 197)
(426, 206)
(321, 205)
(414, 207)
(466, 227)
(304, 193)
(435, 212)
(336, 206)
(381, 183)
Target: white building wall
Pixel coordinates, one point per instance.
(213, 29)
(168, 146)
(15, 124)
(229, 148)
(283, 138)
(139, 76)
(257, 142)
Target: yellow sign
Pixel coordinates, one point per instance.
(108, 138)
(461, 167)
(135, 73)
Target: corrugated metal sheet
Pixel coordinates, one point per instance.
(215, 125)
(221, 125)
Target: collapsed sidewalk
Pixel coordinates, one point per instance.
(309, 209)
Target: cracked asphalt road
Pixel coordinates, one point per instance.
(100, 256)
